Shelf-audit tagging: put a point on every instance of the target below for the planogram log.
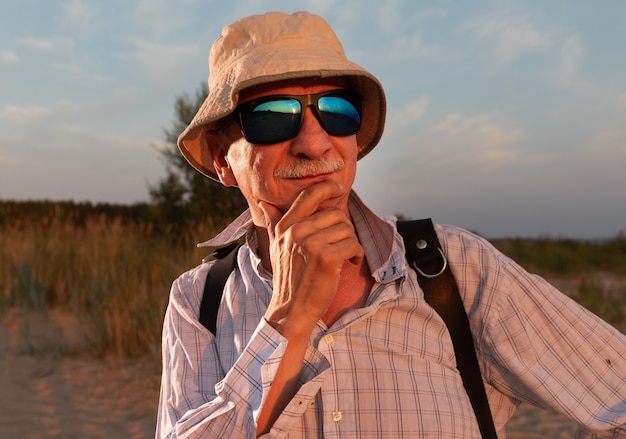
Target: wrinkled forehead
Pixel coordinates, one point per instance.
(294, 87)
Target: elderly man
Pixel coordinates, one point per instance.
(323, 330)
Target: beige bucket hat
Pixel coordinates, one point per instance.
(272, 47)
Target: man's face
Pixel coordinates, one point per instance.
(278, 172)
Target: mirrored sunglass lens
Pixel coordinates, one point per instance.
(272, 121)
(340, 116)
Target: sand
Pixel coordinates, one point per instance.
(51, 390)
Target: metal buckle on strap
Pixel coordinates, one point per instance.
(421, 245)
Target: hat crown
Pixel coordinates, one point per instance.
(251, 39)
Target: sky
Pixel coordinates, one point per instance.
(507, 118)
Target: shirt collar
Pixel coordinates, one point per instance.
(235, 230)
(376, 234)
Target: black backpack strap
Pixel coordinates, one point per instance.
(225, 260)
(442, 294)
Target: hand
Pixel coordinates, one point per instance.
(309, 245)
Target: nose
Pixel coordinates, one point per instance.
(312, 141)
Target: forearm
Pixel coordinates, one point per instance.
(285, 384)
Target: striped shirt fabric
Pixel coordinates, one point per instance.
(387, 370)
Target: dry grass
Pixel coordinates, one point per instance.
(115, 275)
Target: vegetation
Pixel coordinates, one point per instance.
(109, 268)
(566, 256)
(185, 194)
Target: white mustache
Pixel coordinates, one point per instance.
(309, 168)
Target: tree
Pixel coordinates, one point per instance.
(185, 194)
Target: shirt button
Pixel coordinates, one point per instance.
(329, 339)
(336, 416)
(298, 402)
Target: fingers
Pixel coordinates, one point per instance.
(316, 197)
(311, 200)
(321, 232)
(330, 245)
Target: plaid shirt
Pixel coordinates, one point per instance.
(388, 369)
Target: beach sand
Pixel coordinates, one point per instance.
(51, 390)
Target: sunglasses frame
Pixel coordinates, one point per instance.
(305, 100)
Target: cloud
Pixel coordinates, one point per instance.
(477, 140)
(82, 15)
(413, 47)
(569, 60)
(20, 115)
(391, 19)
(47, 126)
(410, 113)
(65, 55)
(60, 112)
(79, 165)
(163, 62)
(386, 33)
(64, 123)
(609, 143)
(57, 137)
(10, 162)
(35, 43)
(507, 36)
(9, 57)
(323, 7)
(161, 20)
(47, 45)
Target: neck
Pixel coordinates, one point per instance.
(354, 288)
(263, 242)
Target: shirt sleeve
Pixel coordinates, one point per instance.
(540, 346)
(197, 396)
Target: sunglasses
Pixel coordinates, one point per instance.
(274, 119)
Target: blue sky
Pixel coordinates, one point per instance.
(505, 117)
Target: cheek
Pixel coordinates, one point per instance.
(253, 171)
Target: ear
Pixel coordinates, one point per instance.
(218, 149)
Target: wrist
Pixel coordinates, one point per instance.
(292, 325)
